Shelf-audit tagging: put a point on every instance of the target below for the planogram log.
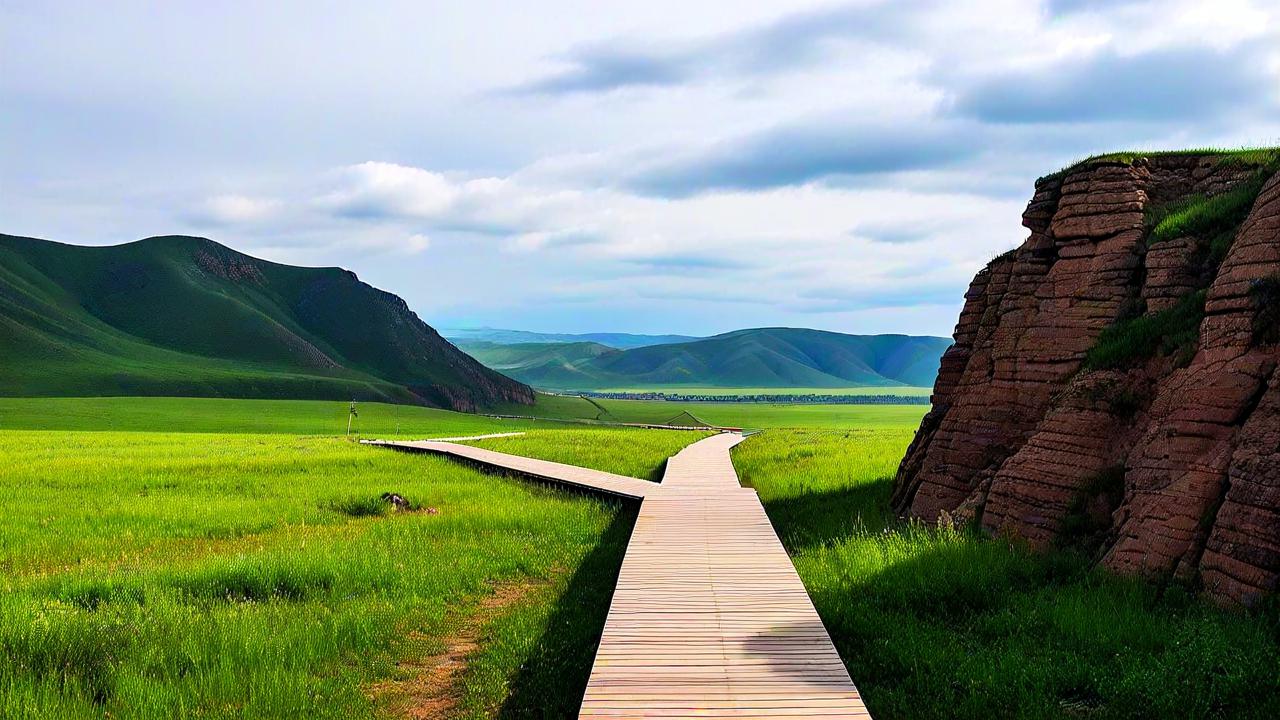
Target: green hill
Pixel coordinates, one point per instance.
(186, 316)
(539, 362)
(756, 358)
(621, 341)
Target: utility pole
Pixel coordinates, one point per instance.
(351, 416)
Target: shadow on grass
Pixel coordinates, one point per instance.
(656, 474)
(812, 519)
(551, 682)
(936, 624)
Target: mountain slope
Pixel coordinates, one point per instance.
(187, 316)
(538, 362)
(621, 341)
(763, 357)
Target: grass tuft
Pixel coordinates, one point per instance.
(1203, 216)
(1173, 331)
(360, 506)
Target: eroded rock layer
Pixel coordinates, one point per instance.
(1116, 387)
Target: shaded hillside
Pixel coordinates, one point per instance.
(622, 341)
(538, 363)
(187, 316)
(1115, 382)
(764, 357)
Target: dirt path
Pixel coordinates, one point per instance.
(429, 686)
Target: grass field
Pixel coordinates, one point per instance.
(211, 558)
(748, 415)
(638, 453)
(211, 415)
(188, 574)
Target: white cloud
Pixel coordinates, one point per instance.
(804, 162)
(231, 209)
(377, 189)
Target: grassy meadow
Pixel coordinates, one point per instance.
(152, 568)
(232, 559)
(729, 414)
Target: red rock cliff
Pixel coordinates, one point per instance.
(1115, 386)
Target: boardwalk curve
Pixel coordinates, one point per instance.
(709, 618)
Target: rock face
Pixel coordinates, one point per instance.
(1118, 393)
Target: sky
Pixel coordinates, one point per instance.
(655, 167)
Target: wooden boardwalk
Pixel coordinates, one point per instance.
(709, 618)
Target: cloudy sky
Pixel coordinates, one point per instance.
(658, 166)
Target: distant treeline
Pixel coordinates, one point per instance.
(770, 398)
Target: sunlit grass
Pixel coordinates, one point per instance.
(167, 575)
(1245, 157)
(729, 414)
(638, 453)
(163, 574)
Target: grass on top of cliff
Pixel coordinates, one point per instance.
(1259, 157)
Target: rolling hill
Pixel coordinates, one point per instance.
(622, 341)
(186, 316)
(755, 358)
(539, 363)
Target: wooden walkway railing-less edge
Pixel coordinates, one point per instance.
(709, 618)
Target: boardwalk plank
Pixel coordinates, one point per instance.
(709, 618)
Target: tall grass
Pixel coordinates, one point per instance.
(1206, 217)
(1172, 331)
(170, 575)
(940, 623)
(214, 415)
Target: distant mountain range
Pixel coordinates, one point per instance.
(186, 316)
(755, 358)
(621, 341)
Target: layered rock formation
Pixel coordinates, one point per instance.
(1118, 390)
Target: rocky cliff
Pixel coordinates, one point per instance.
(1114, 382)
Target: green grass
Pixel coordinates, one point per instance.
(1173, 331)
(942, 624)
(212, 415)
(184, 316)
(637, 453)
(166, 574)
(730, 414)
(1206, 217)
(1247, 157)
(162, 574)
